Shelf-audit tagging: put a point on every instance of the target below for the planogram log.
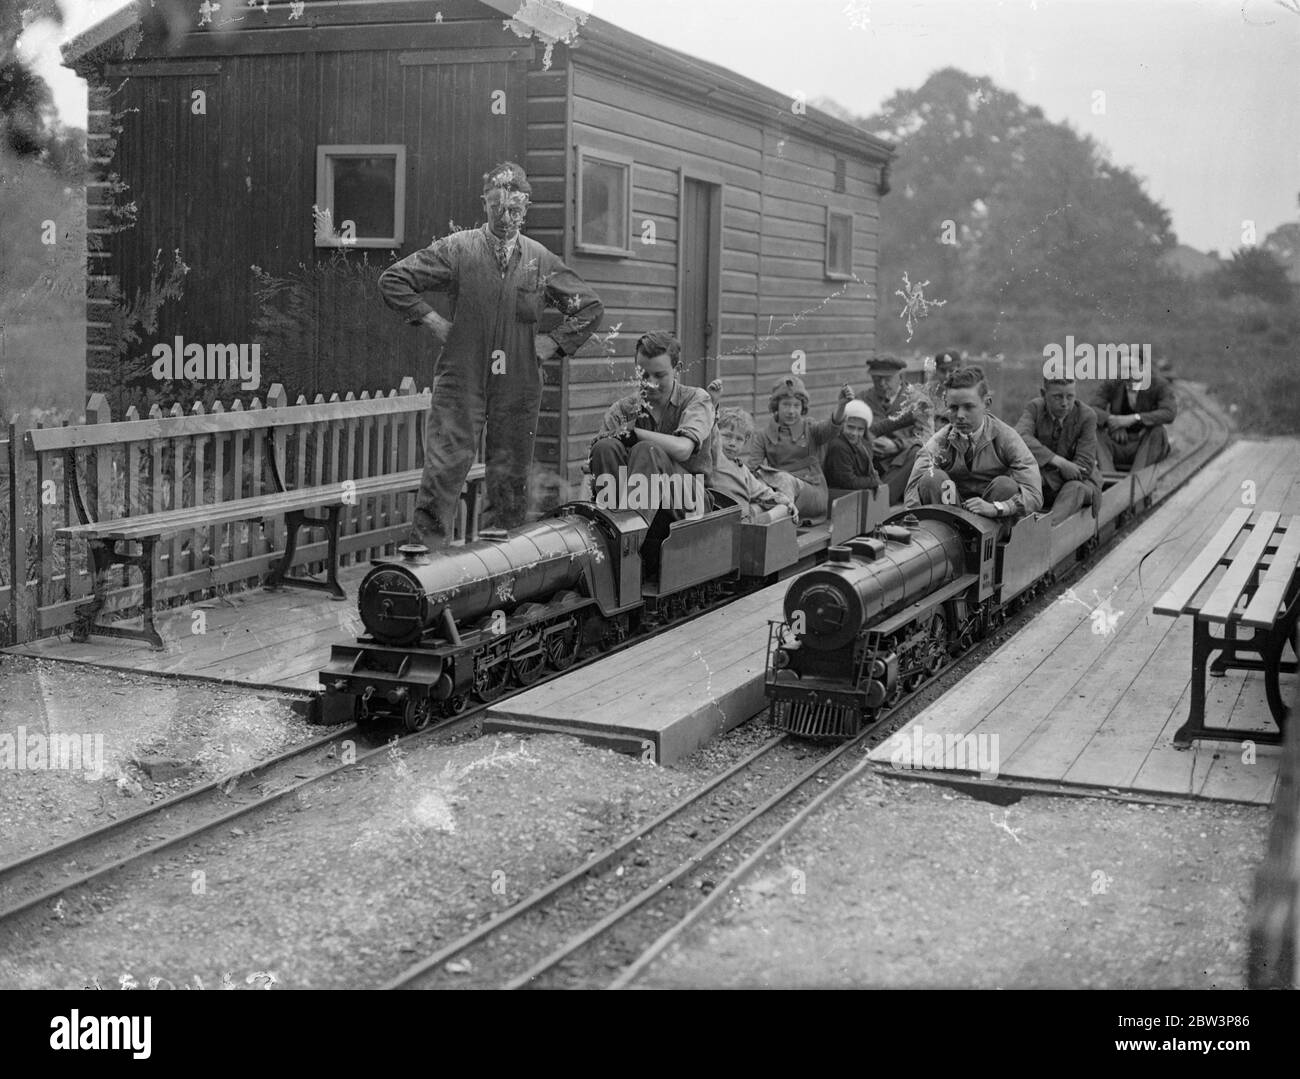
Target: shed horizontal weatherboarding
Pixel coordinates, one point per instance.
(691, 198)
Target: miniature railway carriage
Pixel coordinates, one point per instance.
(886, 612)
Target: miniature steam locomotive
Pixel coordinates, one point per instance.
(887, 611)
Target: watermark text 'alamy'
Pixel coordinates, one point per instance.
(1129, 363)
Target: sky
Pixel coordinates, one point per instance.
(1200, 98)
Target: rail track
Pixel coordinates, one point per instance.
(601, 914)
(619, 896)
(45, 875)
(83, 859)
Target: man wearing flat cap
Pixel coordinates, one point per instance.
(903, 422)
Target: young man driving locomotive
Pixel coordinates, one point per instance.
(664, 431)
(976, 461)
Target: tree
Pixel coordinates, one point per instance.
(1254, 271)
(998, 207)
(1284, 242)
(25, 101)
(28, 127)
(953, 137)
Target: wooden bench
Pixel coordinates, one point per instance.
(295, 506)
(1259, 591)
(173, 462)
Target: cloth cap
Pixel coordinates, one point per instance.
(885, 363)
(859, 410)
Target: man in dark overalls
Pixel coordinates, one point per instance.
(490, 366)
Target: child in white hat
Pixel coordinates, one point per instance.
(848, 465)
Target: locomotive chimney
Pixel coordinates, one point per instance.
(414, 552)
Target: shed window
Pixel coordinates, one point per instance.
(360, 196)
(839, 244)
(604, 204)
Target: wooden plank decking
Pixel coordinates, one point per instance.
(672, 694)
(254, 638)
(1073, 706)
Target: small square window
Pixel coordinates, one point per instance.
(360, 196)
(839, 244)
(604, 204)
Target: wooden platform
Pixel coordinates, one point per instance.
(670, 695)
(1069, 705)
(255, 638)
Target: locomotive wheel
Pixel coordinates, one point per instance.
(416, 715)
(490, 682)
(454, 705)
(528, 669)
(561, 650)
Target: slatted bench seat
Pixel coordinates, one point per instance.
(1259, 591)
(295, 506)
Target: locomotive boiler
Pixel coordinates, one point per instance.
(400, 601)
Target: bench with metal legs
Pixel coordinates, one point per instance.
(1259, 592)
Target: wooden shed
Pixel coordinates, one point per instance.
(690, 197)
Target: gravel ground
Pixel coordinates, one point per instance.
(897, 884)
(127, 726)
(909, 884)
(355, 881)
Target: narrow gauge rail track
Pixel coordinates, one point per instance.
(633, 900)
(47, 874)
(634, 896)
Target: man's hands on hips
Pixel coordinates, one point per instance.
(545, 346)
(437, 325)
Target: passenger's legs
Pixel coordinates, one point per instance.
(899, 472)
(607, 455)
(936, 488)
(1000, 489)
(1152, 447)
(1073, 496)
(813, 500)
(1105, 450)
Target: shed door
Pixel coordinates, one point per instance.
(700, 247)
